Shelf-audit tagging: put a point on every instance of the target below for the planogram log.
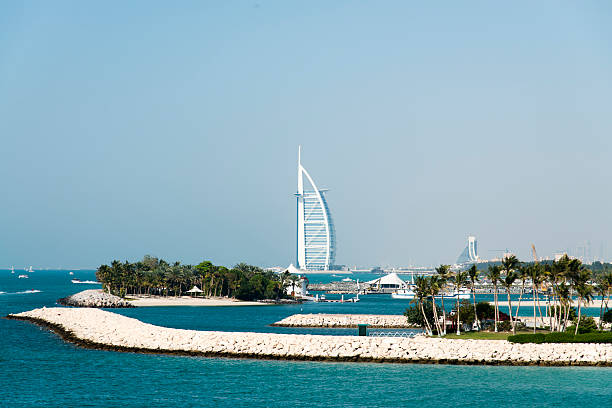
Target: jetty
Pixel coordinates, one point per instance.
(101, 329)
(344, 320)
(94, 298)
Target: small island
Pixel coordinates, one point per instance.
(155, 282)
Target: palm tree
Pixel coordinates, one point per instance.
(421, 291)
(522, 274)
(460, 279)
(565, 300)
(509, 265)
(585, 292)
(443, 274)
(434, 288)
(494, 272)
(600, 289)
(508, 281)
(293, 280)
(535, 273)
(556, 275)
(473, 275)
(608, 280)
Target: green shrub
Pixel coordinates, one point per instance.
(485, 310)
(527, 338)
(414, 316)
(504, 326)
(520, 326)
(560, 337)
(587, 325)
(607, 317)
(466, 312)
(598, 337)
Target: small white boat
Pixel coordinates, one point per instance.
(76, 280)
(403, 294)
(70, 273)
(23, 276)
(462, 294)
(30, 270)
(347, 280)
(12, 269)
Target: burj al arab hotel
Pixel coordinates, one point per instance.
(316, 237)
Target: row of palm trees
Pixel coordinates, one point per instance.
(157, 277)
(559, 282)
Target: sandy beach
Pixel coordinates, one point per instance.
(189, 301)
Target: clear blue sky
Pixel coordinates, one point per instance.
(171, 128)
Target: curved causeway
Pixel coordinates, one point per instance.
(100, 329)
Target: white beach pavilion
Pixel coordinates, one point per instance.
(388, 282)
(194, 291)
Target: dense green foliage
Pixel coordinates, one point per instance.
(559, 337)
(466, 311)
(153, 276)
(600, 269)
(485, 310)
(414, 315)
(607, 317)
(527, 338)
(587, 325)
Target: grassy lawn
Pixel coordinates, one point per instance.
(483, 335)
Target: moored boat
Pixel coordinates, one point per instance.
(403, 294)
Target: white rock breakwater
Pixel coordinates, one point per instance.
(344, 320)
(101, 329)
(94, 298)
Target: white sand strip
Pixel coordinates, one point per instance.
(189, 301)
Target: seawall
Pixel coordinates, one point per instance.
(100, 329)
(344, 320)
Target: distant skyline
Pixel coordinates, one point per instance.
(171, 129)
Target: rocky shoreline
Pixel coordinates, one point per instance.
(100, 329)
(344, 320)
(94, 298)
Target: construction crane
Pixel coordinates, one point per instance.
(543, 285)
(535, 254)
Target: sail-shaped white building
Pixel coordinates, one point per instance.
(470, 253)
(316, 237)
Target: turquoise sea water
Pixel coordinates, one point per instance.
(39, 369)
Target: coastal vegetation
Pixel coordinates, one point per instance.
(153, 276)
(557, 337)
(554, 286)
(415, 316)
(481, 335)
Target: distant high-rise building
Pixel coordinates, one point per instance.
(470, 253)
(316, 237)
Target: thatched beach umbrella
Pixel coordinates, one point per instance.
(195, 290)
